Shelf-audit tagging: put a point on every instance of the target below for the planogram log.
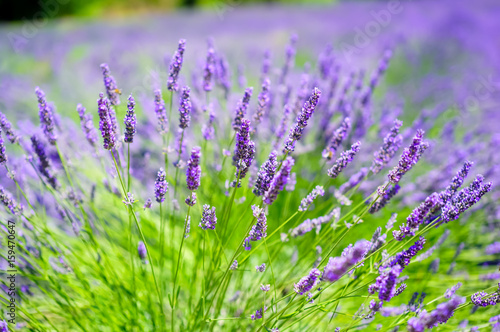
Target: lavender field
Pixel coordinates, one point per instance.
(252, 167)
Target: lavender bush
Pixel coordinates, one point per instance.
(287, 199)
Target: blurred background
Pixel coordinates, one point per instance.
(445, 51)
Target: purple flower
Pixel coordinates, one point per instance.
(262, 103)
(309, 224)
(87, 125)
(409, 158)
(354, 180)
(306, 113)
(345, 158)
(440, 315)
(392, 142)
(241, 109)
(279, 181)
(382, 67)
(208, 131)
(222, 75)
(234, 265)
(266, 174)
(7, 127)
(258, 314)
(110, 85)
(337, 138)
(466, 198)
(281, 130)
(185, 108)
(483, 299)
(208, 217)
(9, 202)
(417, 217)
(338, 266)
(44, 164)
(193, 171)
(456, 182)
(161, 113)
(451, 291)
(3, 155)
(105, 123)
(289, 58)
(130, 121)
(385, 283)
(388, 194)
(261, 268)
(175, 66)
(208, 71)
(404, 257)
(161, 186)
(188, 224)
(244, 151)
(148, 204)
(265, 288)
(325, 62)
(191, 199)
(259, 230)
(141, 248)
(493, 249)
(307, 201)
(308, 282)
(266, 64)
(4, 327)
(46, 117)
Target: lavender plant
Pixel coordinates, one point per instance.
(272, 251)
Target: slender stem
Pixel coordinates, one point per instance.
(174, 296)
(132, 212)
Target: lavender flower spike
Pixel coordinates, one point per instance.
(46, 117)
(209, 69)
(241, 109)
(87, 125)
(307, 201)
(409, 158)
(346, 157)
(456, 182)
(9, 202)
(208, 218)
(7, 127)
(337, 138)
(44, 166)
(105, 123)
(161, 186)
(3, 155)
(244, 151)
(388, 195)
(465, 199)
(262, 103)
(306, 113)
(281, 130)
(392, 142)
(110, 84)
(185, 108)
(417, 217)
(259, 230)
(338, 266)
(308, 282)
(141, 249)
(279, 182)
(193, 171)
(266, 174)
(175, 66)
(130, 121)
(161, 113)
